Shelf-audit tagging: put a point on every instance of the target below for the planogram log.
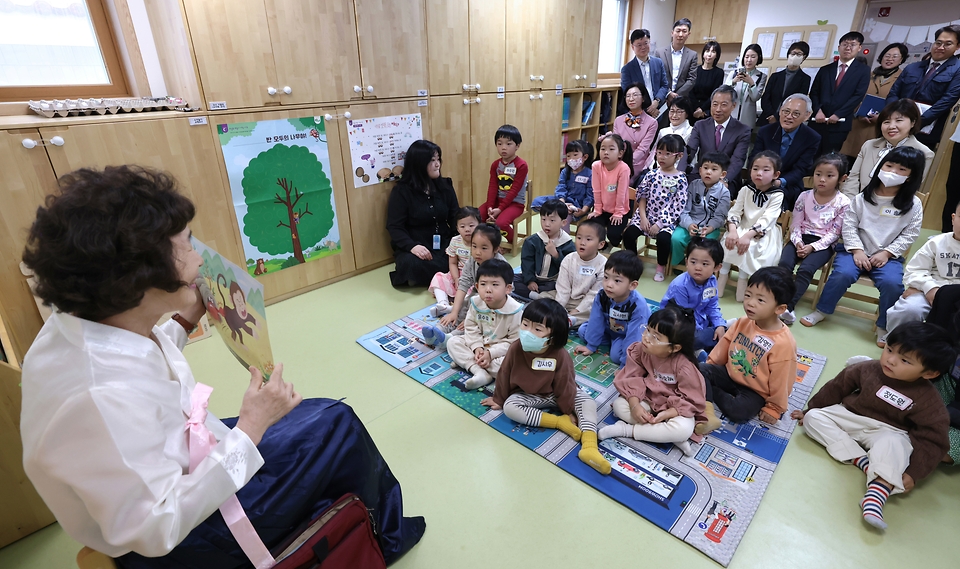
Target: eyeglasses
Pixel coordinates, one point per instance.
(649, 336)
(633, 96)
(941, 43)
(850, 44)
(790, 114)
(676, 111)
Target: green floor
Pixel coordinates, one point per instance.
(491, 503)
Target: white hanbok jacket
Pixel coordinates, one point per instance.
(104, 443)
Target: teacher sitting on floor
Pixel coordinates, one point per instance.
(108, 398)
(421, 217)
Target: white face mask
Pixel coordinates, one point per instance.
(890, 179)
(795, 60)
(575, 163)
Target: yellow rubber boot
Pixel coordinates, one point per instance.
(561, 422)
(713, 422)
(590, 453)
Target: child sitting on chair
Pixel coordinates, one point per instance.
(708, 201)
(885, 417)
(491, 325)
(696, 290)
(537, 373)
(542, 253)
(936, 264)
(507, 192)
(582, 274)
(752, 369)
(575, 187)
(619, 312)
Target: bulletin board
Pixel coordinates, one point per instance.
(913, 23)
(776, 40)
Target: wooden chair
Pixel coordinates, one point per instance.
(525, 217)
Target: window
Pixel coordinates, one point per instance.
(613, 33)
(57, 49)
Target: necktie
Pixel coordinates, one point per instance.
(716, 137)
(785, 141)
(843, 69)
(930, 73)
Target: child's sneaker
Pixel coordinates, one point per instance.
(438, 310)
(433, 336)
(534, 295)
(813, 318)
(881, 338)
(789, 317)
(701, 356)
(658, 276)
(574, 321)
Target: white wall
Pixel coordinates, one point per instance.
(768, 13)
(658, 17)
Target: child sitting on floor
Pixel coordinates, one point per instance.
(935, 265)
(708, 201)
(696, 290)
(753, 368)
(542, 252)
(491, 325)
(444, 285)
(582, 274)
(661, 390)
(537, 373)
(753, 237)
(619, 312)
(484, 245)
(575, 187)
(885, 417)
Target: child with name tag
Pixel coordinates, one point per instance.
(619, 312)
(662, 394)
(538, 374)
(575, 186)
(708, 201)
(661, 197)
(751, 371)
(885, 417)
(444, 285)
(507, 192)
(491, 325)
(879, 227)
(582, 274)
(542, 253)
(753, 238)
(935, 265)
(696, 290)
(611, 186)
(484, 245)
(815, 226)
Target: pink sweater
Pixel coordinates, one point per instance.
(611, 188)
(663, 383)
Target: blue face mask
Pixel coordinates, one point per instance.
(530, 342)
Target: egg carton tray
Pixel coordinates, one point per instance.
(81, 107)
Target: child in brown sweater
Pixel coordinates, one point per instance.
(890, 408)
(537, 373)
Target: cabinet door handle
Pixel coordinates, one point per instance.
(532, 97)
(29, 143)
(576, 77)
(541, 96)
(369, 88)
(57, 141)
(533, 77)
(287, 89)
(271, 91)
(357, 89)
(328, 117)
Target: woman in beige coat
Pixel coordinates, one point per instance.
(897, 124)
(881, 80)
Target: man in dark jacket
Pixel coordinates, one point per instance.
(837, 91)
(795, 142)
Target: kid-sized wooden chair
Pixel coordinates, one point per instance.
(525, 217)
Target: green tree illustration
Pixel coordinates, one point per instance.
(279, 186)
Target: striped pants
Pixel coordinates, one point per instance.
(527, 409)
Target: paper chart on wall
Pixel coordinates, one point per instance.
(379, 145)
(787, 40)
(818, 44)
(767, 41)
(898, 34)
(879, 32)
(932, 34)
(917, 35)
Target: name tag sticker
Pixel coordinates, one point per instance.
(581, 179)
(611, 187)
(484, 318)
(665, 377)
(826, 216)
(890, 212)
(709, 292)
(763, 342)
(618, 315)
(463, 252)
(510, 170)
(587, 271)
(544, 364)
(895, 398)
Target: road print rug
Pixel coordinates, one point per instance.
(707, 500)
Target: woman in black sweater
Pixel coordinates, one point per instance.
(709, 77)
(421, 217)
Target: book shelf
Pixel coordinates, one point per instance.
(575, 103)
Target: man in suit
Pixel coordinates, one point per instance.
(722, 134)
(680, 62)
(795, 142)
(646, 70)
(784, 83)
(837, 91)
(934, 82)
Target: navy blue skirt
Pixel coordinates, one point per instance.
(313, 456)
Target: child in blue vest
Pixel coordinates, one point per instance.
(696, 290)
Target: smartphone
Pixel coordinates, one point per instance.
(742, 71)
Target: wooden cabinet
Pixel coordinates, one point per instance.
(27, 179)
(393, 47)
(450, 125)
(581, 46)
(522, 69)
(537, 115)
(465, 45)
(485, 118)
(718, 20)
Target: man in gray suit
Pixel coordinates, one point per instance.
(680, 61)
(722, 133)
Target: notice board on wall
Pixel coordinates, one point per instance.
(775, 41)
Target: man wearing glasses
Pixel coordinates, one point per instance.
(934, 82)
(837, 91)
(795, 142)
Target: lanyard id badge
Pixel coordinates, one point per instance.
(436, 242)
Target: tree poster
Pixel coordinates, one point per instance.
(235, 307)
(281, 182)
(379, 145)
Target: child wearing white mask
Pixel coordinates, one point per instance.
(537, 374)
(575, 186)
(879, 227)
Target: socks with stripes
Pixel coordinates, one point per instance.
(862, 463)
(590, 453)
(872, 504)
(561, 422)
